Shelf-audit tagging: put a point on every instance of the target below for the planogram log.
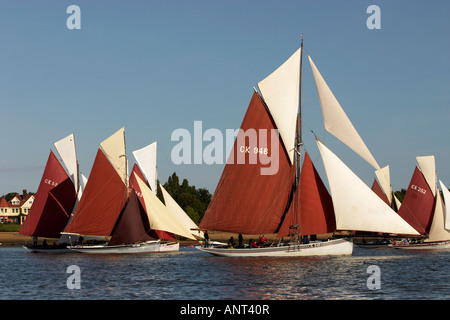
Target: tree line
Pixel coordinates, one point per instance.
(192, 200)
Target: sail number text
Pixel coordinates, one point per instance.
(255, 150)
(50, 182)
(418, 189)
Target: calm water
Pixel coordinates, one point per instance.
(191, 274)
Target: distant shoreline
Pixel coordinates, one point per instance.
(13, 239)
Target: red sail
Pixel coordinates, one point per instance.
(53, 202)
(246, 201)
(312, 207)
(133, 225)
(418, 204)
(102, 201)
(379, 192)
(135, 185)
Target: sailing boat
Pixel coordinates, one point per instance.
(104, 197)
(108, 209)
(423, 206)
(146, 160)
(249, 202)
(57, 196)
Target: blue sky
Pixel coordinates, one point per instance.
(155, 66)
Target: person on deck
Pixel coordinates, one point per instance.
(231, 243)
(252, 244)
(241, 239)
(263, 241)
(206, 236)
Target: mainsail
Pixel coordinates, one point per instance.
(246, 201)
(106, 191)
(417, 205)
(53, 202)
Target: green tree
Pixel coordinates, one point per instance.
(192, 200)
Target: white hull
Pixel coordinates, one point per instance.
(169, 247)
(325, 248)
(438, 245)
(48, 250)
(144, 247)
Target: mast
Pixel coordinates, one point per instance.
(299, 118)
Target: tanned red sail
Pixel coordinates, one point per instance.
(133, 225)
(377, 189)
(246, 201)
(53, 202)
(135, 185)
(102, 201)
(418, 204)
(312, 207)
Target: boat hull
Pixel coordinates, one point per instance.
(169, 247)
(48, 250)
(324, 248)
(438, 245)
(144, 247)
(373, 245)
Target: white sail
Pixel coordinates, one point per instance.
(336, 121)
(397, 202)
(427, 165)
(114, 148)
(159, 216)
(437, 230)
(446, 195)
(384, 179)
(67, 151)
(146, 160)
(180, 214)
(280, 91)
(356, 206)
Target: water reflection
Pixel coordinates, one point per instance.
(190, 274)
